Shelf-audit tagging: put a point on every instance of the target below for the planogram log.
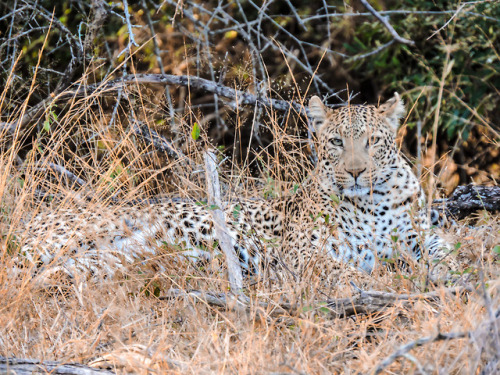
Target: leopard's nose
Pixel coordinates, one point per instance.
(355, 172)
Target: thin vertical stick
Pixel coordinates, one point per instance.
(446, 70)
(221, 231)
(419, 150)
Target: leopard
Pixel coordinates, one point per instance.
(359, 207)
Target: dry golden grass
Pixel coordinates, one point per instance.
(124, 322)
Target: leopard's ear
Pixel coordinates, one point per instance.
(393, 110)
(317, 113)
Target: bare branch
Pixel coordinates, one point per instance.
(158, 59)
(486, 332)
(398, 11)
(155, 139)
(402, 351)
(447, 22)
(131, 39)
(374, 52)
(76, 48)
(239, 98)
(99, 15)
(247, 30)
(387, 25)
(64, 172)
(297, 17)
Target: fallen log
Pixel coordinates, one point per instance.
(362, 303)
(23, 366)
(468, 199)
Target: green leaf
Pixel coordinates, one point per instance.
(195, 132)
(468, 270)
(46, 126)
(325, 310)
(236, 211)
(307, 308)
(335, 198)
(157, 291)
(496, 249)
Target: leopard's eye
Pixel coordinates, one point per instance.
(336, 142)
(373, 141)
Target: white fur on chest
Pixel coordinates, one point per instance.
(375, 226)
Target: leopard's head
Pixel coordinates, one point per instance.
(356, 144)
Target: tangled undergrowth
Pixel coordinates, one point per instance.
(132, 322)
(75, 132)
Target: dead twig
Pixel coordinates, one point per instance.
(402, 351)
(159, 61)
(210, 298)
(78, 51)
(76, 48)
(316, 17)
(486, 333)
(448, 22)
(64, 172)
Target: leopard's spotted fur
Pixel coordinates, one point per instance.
(361, 203)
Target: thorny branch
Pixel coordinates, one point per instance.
(399, 12)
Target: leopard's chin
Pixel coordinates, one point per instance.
(356, 191)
